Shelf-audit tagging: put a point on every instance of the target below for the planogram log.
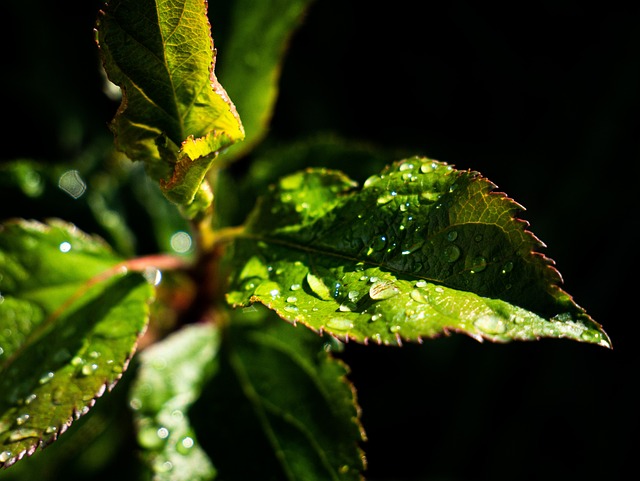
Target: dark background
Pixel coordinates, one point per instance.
(541, 98)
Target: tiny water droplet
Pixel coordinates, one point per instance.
(451, 236)
(185, 444)
(394, 329)
(163, 433)
(46, 377)
(339, 324)
(153, 275)
(478, 238)
(507, 267)
(30, 398)
(383, 290)
(88, 369)
(421, 283)
(292, 299)
(5, 456)
(385, 198)
(295, 287)
(20, 420)
(291, 308)
(50, 429)
(65, 247)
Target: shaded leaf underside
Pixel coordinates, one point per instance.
(421, 250)
(64, 339)
(287, 406)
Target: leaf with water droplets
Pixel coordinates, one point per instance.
(65, 336)
(168, 381)
(421, 250)
(279, 406)
(175, 116)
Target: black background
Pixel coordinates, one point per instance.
(541, 98)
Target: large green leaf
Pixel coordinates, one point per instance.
(169, 380)
(421, 250)
(279, 406)
(65, 335)
(175, 116)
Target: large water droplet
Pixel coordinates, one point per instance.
(419, 296)
(72, 183)
(23, 433)
(339, 324)
(479, 264)
(383, 290)
(318, 286)
(452, 253)
(185, 445)
(490, 324)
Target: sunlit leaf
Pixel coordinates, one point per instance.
(421, 250)
(169, 380)
(279, 406)
(252, 58)
(65, 335)
(174, 116)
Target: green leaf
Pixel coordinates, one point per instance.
(168, 381)
(65, 335)
(421, 250)
(280, 406)
(252, 58)
(174, 116)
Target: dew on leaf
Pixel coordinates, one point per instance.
(451, 236)
(153, 275)
(292, 299)
(268, 288)
(507, 267)
(375, 317)
(419, 296)
(394, 329)
(490, 324)
(65, 247)
(295, 287)
(23, 433)
(30, 398)
(383, 290)
(421, 283)
(185, 444)
(5, 456)
(20, 420)
(339, 324)
(163, 433)
(479, 264)
(50, 429)
(291, 308)
(452, 253)
(88, 369)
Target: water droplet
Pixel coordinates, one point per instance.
(30, 398)
(185, 444)
(181, 242)
(50, 429)
(23, 433)
(23, 418)
(65, 247)
(478, 238)
(452, 253)
(419, 296)
(339, 324)
(5, 456)
(430, 196)
(386, 198)
(507, 267)
(163, 433)
(451, 236)
(394, 329)
(383, 290)
(353, 295)
(291, 308)
(490, 324)
(405, 166)
(375, 317)
(590, 336)
(347, 307)
(421, 283)
(88, 369)
(72, 183)
(292, 299)
(153, 275)
(428, 167)
(479, 264)
(269, 288)
(295, 287)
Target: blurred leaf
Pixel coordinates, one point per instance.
(279, 406)
(251, 61)
(421, 250)
(174, 115)
(65, 336)
(169, 380)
